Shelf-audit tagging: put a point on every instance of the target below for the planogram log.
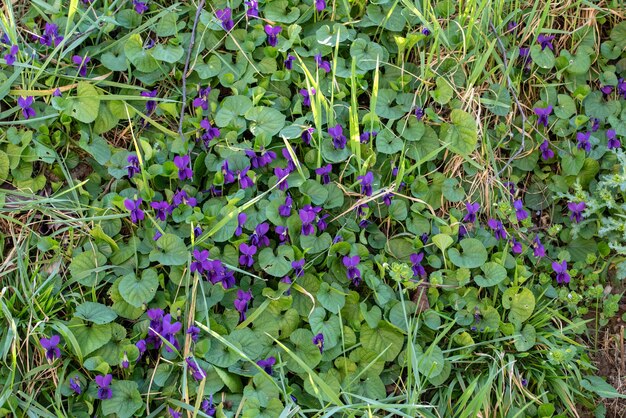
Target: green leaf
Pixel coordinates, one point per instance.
(170, 251)
(566, 107)
(167, 53)
(95, 312)
(597, 107)
(277, 265)
(443, 93)
(474, 254)
(520, 301)
(315, 191)
(4, 166)
(431, 362)
(384, 339)
(398, 210)
(315, 244)
(366, 54)
(452, 191)
(83, 265)
(388, 143)
(461, 135)
(543, 59)
(579, 248)
(279, 11)
(597, 385)
(498, 100)
(526, 339)
(126, 399)
(90, 338)
(231, 108)
(331, 297)
(138, 292)
(142, 59)
(494, 274)
(325, 36)
(86, 105)
(167, 25)
(618, 35)
(442, 241)
(265, 120)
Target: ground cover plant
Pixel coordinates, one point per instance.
(311, 208)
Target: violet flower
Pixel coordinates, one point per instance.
(577, 211)
(543, 113)
(247, 251)
(203, 98)
(538, 249)
(318, 340)
(272, 34)
(282, 174)
(545, 41)
(353, 273)
(169, 331)
(321, 222)
(210, 132)
(184, 170)
(520, 212)
(498, 228)
(606, 90)
(595, 124)
(307, 216)
(562, 276)
(613, 142)
(267, 364)
(546, 152)
(621, 87)
(81, 62)
(472, 210)
(259, 237)
(241, 303)
(285, 210)
(11, 57)
(424, 238)
(291, 165)
(339, 139)
(50, 35)
(366, 183)
(282, 232)
(197, 231)
(289, 62)
(125, 362)
(140, 6)
(419, 113)
(366, 136)
(134, 206)
(425, 31)
(224, 16)
(196, 371)
(298, 267)
(103, 382)
(416, 264)
(252, 9)
(208, 407)
(524, 55)
(173, 413)
(241, 220)
(26, 104)
(322, 64)
(133, 165)
(307, 133)
(243, 179)
(516, 246)
(200, 262)
(150, 104)
(320, 5)
(75, 385)
(306, 96)
(583, 141)
(161, 209)
(387, 198)
(51, 347)
(325, 173)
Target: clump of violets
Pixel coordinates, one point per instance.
(266, 157)
(308, 215)
(203, 98)
(183, 163)
(26, 104)
(50, 35)
(472, 211)
(318, 340)
(289, 62)
(583, 141)
(133, 165)
(272, 34)
(353, 273)
(498, 229)
(11, 56)
(200, 261)
(545, 41)
(419, 113)
(104, 389)
(81, 63)
(322, 64)
(516, 246)
(161, 209)
(247, 253)
(542, 115)
(520, 212)
(224, 16)
(366, 183)
(285, 209)
(416, 264)
(169, 330)
(367, 136)
(241, 303)
(282, 174)
(613, 142)
(339, 139)
(51, 346)
(546, 152)
(576, 210)
(259, 236)
(283, 234)
(196, 371)
(267, 364)
(252, 9)
(210, 131)
(134, 206)
(562, 276)
(208, 407)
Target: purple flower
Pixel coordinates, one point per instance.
(291, 166)
(520, 212)
(318, 340)
(416, 264)
(140, 6)
(516, 246)
(133, 165)
(252, 9)
(150, 104)
(193, 332)
(241, 219)
(511, 26)
(320, 5)
(462, 231)
(265, 158)
(524, 55)
(259, 237)
(321, 222)
(324, 65)
(210, 131)
(339, 139)
(157, 235)
(577, 211)
(173, 413)
(606, 90)
(325, 173)
(229, 176)
(81, 62)
(367, 136)
(352, 272)
(50, 35)
(298, 267)
(241, 303)
(419, 113)
(103, 382)
(282, 232)
(267, 364)
(538, 249)
(289, 62)
(562, 276)
(75, 385)
(613, 142)
(197, 231)
(306, 97)
(169, 331)
(498, 228)
(201, 261)
(543, 113)
(546, 152)
(243, 179)
(583, 141)
(50, 345)
(57, 93)
(26, 104)
(387, 198)
(272, 34)
(621, 86)
(134, 206)
(285, 210)
(337, 239)
(224, 16)
(182, 197)
(366, 183)
(184, 170)
(425, 32)
(472, 210)
(203, 98)
(595, 124)
(424, 238)
(11, 57)
(247, 251)
(196, 371)
(208, 407)
(307, 216)
(282, 174)
(142, 346)
(125, 363)
(306, 134)
(545, 41)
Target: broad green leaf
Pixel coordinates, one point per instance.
(315, 191)
(366, 54)
(141, 58)
(443, 93)
(138, 292)
(95, 312)
(167, 53)
(279, 264)
(231, 108)
(474, 254)
(86, 105)
(599, 386)
(85, 267)
(384, 339)
(543, 59)
(90, 337)
(265, 120)
(126, 399)
(331, 297)
(521, 303)
(526, 339)
(494, 274)
(460, 135)
(170, 251)
(430, 363)
(315, 244)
